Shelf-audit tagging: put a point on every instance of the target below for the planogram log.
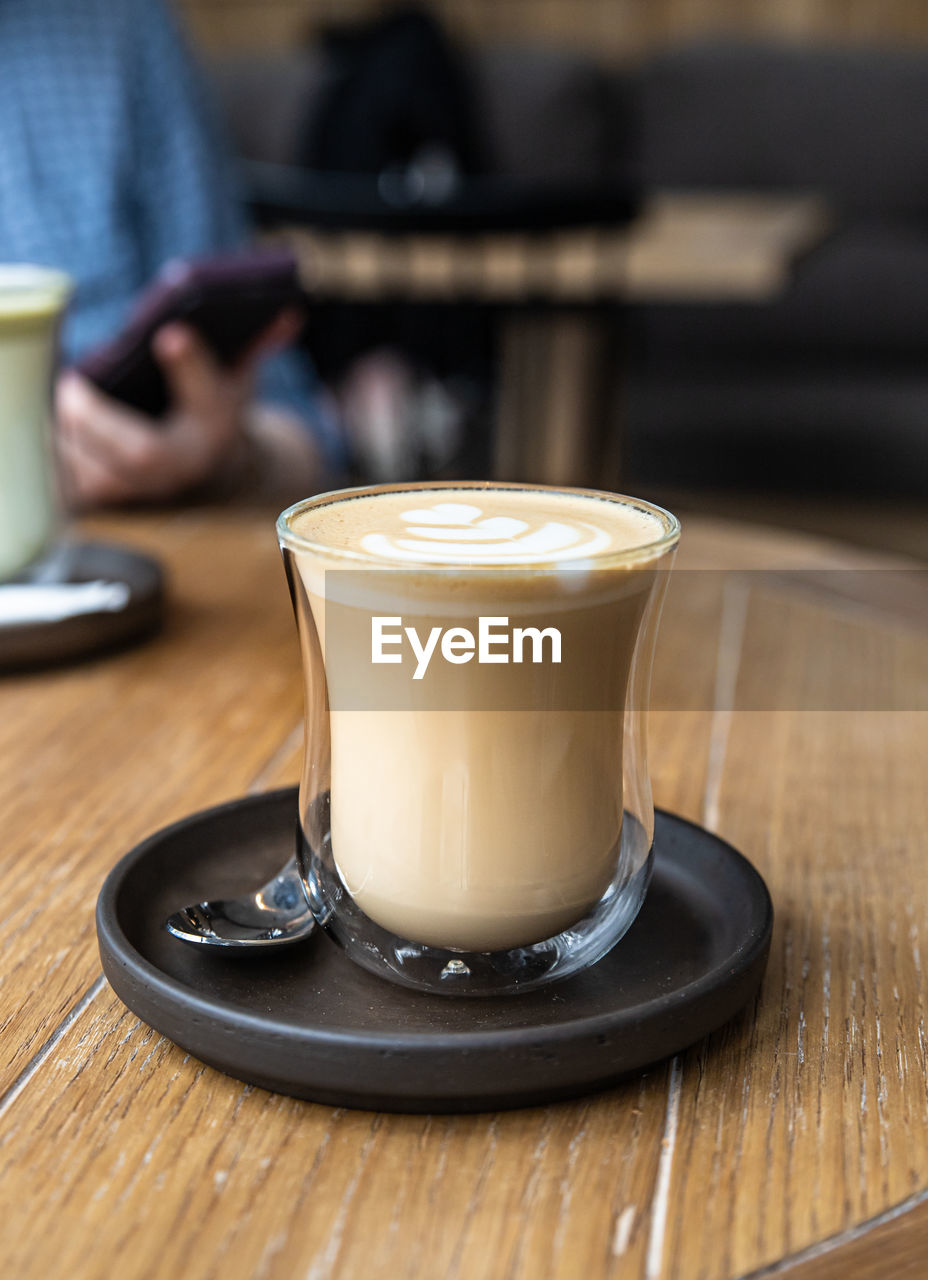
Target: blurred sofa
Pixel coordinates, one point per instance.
(827, 387)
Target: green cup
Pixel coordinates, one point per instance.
(32, 301)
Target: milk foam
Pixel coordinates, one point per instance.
(479, 526)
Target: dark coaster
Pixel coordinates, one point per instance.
(308, 1022)
(33, 645)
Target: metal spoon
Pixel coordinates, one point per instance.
(275, 915)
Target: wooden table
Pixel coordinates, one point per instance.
(800, 1127)
(559, 371)
(684, 246)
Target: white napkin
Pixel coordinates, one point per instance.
(51, 602)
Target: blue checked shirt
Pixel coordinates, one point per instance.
(111, 163)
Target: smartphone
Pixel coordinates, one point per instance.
(230, 300)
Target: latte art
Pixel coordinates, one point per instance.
(457, 533)
(481, 526)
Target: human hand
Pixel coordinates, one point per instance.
(113, 454)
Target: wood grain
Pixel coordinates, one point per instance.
(896, 1244)
(96, 757)
(803, 1119)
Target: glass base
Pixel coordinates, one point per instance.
(447, 971)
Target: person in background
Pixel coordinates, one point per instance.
(111, 165)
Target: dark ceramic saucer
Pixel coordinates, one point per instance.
(308, 1022)
(34, 645)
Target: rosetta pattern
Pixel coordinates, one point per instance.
(458, 532)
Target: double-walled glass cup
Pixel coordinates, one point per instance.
(32, 300)
(475, 808)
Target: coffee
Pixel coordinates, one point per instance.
(478, 526)
(31, 300)
(485, 811)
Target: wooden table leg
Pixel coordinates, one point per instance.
(554, 410)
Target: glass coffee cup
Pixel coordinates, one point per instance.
(475, 808)
(32, 301)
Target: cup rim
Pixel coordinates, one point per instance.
(627, 555)
(29, 277)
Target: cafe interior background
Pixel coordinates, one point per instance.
(804, 406)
